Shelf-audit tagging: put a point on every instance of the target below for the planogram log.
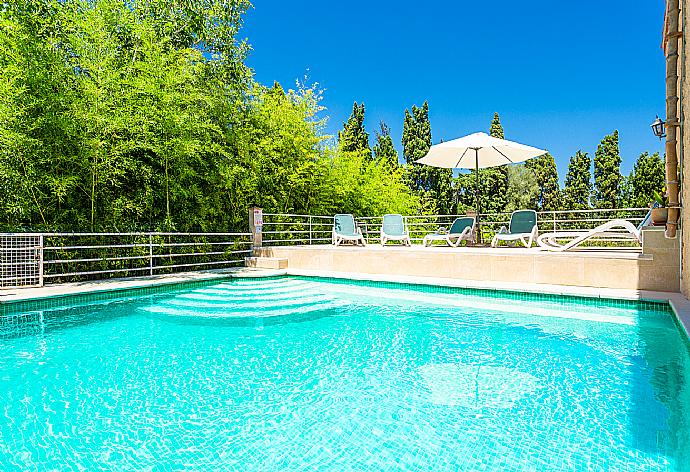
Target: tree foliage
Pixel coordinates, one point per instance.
(143, 115)
(549, 195)
(496, 129)
(353, 137)
(384, 150)
(578, 182)
(607, 172)
(433, 185)
(523, 189)
(646, 179)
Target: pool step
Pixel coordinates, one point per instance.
(246, 311)
(222, 304)
(266, 262)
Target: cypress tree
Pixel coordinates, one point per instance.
(384, 150)
(607, 172)
(353, 137)
(496, 129)
(546, 173)
(646, 178)
(432, 184)
(578, 182)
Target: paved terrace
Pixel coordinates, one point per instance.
(656, 267)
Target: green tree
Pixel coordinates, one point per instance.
(546, 173)
(646, 178)
(578, 182)
(607, 175)
(626, 197)
(523, 189)
(353, 137)
(496, 129)
(384, 150)
(142, 115)
(494, 180)
(433, 185)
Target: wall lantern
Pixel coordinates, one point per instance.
(658, 128)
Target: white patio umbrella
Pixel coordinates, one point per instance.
(478, 151)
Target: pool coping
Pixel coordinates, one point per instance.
(680, 305)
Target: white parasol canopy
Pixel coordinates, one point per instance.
(478, 150)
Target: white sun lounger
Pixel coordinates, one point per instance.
(565, 240)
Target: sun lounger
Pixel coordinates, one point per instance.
(462, 229)
(345, 230)
(614, 229)
(523, 228)
(393, 229)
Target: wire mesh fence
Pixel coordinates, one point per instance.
(21, 260)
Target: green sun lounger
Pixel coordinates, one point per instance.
(345, 230)
(462, 229)
(523, 228)
(393, 229)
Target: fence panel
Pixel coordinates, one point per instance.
(30, 259)
(21, 260)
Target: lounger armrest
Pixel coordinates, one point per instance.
(503, 230)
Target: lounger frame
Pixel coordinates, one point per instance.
(527, 239)
(453, 239)
(573, 239)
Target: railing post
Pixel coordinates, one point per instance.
(310, 237)
(150, 254)
(256, 222)
(41, 265)
(554, 221)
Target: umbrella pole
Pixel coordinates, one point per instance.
(476, 195)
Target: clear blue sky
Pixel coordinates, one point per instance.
(561, 74)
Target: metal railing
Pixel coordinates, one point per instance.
(32, 259)
(70, 257)
(291, 229)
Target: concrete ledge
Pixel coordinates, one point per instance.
(606, 268)
(266, 262)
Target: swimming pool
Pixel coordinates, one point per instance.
(294, 373)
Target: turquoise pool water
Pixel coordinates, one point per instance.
(317, 374)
